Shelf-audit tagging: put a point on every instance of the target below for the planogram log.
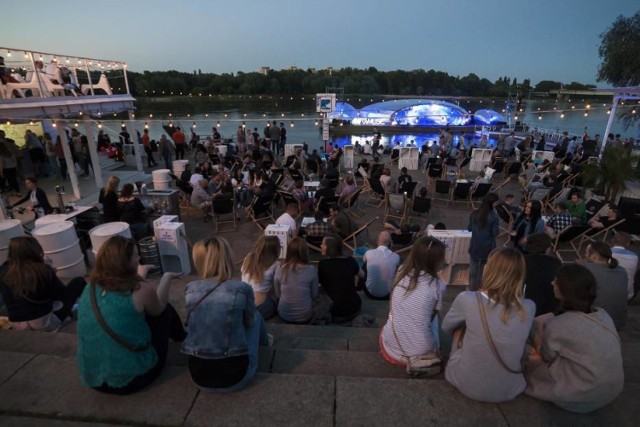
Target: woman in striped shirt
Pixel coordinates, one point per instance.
(416, 298)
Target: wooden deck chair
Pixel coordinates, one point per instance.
(506, 220)
(395, 206)
(434, 173)
(442, 191)
(499, 167)
(351, 241)
(325, 202)
(222, 206)
(409, 189)
(420, 209)
(570, 236)
(377, 193)
(364, 175)
(479, 192)
(352, 204)
(539, 194)
(561, 196)
(594, 234)
(500, 185)
(261, 210)
(461, 191)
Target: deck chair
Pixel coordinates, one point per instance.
(395, 155)
(395, 207)
(377, 193)
(478, 193)
(261, 210)
(442, 191)
(595, 234)
(54, 89)
(506, 220)
(33, 85)
(420, 209)
(409, 188)
(498, 166)
(561, 196)
(498, 188)
(296, 175)
(290, 198)
(513, 168)
(312, 166)
(325, 202)
(571, 236)
(400, 241)
(539, 194)
(362, 234)
(462, 191)
(219, 207)
(362, 173)
(593, 207)
(434, 172)
(352, 204)
(103, 84)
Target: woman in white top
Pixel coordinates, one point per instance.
(385, 180)
(258, 269)
(416, 299)
(478, 369)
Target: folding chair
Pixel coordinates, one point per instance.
(498, 188)
(400, 241)
(351, 241)
(409, 188)
(395, 207)
(462, 191)
(442, 191)
(223, 206)
(478, 193)
(352, 204)
(594, 234)
(539, 194)
(513, 168)
(421, 207)
(296, 175)
(561, 196)
(377, 194)
(261, 207)
(325, 202)
(312, 166)
(434, 172)
(507, 220)
(571, 235)
(499, 166)
(365, 179)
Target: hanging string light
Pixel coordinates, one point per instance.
(146, 126)
(292, 125)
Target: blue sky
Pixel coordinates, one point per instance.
(540, 40)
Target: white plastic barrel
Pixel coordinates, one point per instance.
(50, 219)
(161, 179)
(103, 232)
(9, 228)
(222, 149)
(179, 166)
(61, 246)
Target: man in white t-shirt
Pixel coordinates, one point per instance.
(196, 177)
(289, 218)
(627, 259)
(380, 265)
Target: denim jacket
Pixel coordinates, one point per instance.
(216, 328)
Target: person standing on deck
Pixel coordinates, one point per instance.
(147, 149)
(274, 131)
(180, 141)
(283, 136)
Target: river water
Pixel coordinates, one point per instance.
(228, 112)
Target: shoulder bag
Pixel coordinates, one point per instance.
(487, 334)
(131, 347)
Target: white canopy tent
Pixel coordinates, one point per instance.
(619, 94)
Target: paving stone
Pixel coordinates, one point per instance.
(311, 343)
(8, 421)
(525, 410)
(327, 331)
(265, 359)
(34, 342)
(269, 400)
(11, 362)
(631, 360)
(364, 344)
(386, 402)
(334, 363)
(50, 386)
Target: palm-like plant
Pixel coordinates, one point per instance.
(610, 175)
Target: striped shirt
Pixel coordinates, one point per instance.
(411, 315)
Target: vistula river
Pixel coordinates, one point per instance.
(228, 112)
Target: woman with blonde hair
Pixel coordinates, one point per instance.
(224, 327)
(485, 361)
(124, 322)
(416, 298)
(296, 284)
(258, 270)
(109, 199)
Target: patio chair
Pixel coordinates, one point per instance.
(561, 196)
(352, 204)
(223, 206)
(434, 172)
(539, 194)
(395, 207)
(261, 210)
(594, 234)
(409, 188)
(420, 209)
(442, 191)
(362, 234)
(325, 202)
(461, 191)
(478, 193)
(571, 236)
(33, 85)
(288, 198)
(377, 194)
(103, 84)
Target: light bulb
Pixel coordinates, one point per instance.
(540, 117)
(9, 53)
(562, 115)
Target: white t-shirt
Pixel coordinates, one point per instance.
(629, 261)
(286, 219)
(195, 179)
(381, 269)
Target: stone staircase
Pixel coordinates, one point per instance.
(312, 376)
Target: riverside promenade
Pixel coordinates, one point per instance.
(312, 376)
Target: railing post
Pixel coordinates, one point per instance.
(86, 67)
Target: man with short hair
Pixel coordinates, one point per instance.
(200, 198)
(577, 207)
(180, 141)
(341, 223)
(380, 265)
(627, 259)
(289, 218)
(274, 131)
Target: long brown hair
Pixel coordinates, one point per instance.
(263, 255)
(426, 256)
(113, 270)
(503, 278)
(26, 270)
(297, 253)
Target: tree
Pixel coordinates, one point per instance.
(610, 176)
(620, 52)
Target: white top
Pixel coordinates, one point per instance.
(286, 219)
(195, 179)
(267, 280)
(382, 264)
(411, 316)
(629, 261)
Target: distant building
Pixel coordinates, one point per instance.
(264, 70)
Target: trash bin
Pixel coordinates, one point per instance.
(150, 254)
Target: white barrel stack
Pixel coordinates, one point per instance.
(161, 179)
(103, 232)
(179, 166)
(61, 247)
(9, 229)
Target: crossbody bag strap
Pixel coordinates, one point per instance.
(131, 347)
(601, 324)
(487, 334)
(202, 299)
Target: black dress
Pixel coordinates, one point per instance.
(109, 202)
(337, 277)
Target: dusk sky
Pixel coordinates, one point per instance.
(541, 40)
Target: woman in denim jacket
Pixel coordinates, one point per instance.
(224, 327)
